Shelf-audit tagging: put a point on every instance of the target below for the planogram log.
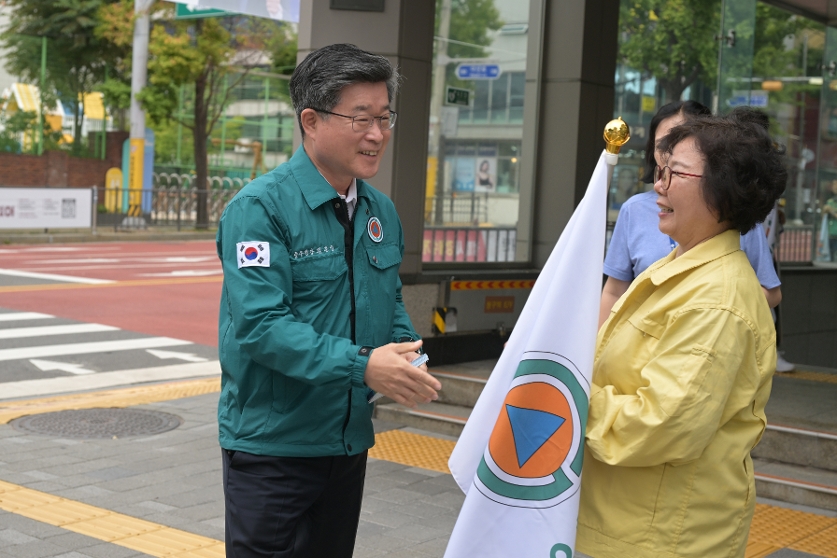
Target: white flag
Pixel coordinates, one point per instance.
(519, 457)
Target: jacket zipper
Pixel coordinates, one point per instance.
(341, 210)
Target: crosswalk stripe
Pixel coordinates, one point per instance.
(26, 332)
(67, 384)
(53, 277)
(91, 347)
(19, 316)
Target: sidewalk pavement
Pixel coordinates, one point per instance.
(174, 479)
(150, 494)
(106, 234)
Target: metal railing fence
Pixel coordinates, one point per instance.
(460, 208)
(175, 204)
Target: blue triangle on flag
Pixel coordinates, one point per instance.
(531, 428)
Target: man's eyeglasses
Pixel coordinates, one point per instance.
(664, 175)
(364, 123)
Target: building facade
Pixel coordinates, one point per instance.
(499, 130)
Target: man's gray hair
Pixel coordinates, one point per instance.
(318, 81)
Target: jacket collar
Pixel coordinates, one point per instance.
(716, 247)
(314, 187)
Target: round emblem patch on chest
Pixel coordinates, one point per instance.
(373, 227)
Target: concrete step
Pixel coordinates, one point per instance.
(442, 418)
(463, 383)
(459, 389)
(797, 484)
(798, 446)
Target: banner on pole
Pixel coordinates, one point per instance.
(280, 10)
(520, 455)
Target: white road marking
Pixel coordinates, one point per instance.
(188, 357)
(186, 259)
(49, 366)
(52, 249)
(65, 384)
(52, 277)
(92, 347)
(80, 261)
(25, 332)
(19, 316)
(185, 273)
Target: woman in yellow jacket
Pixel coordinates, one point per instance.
(684, 363)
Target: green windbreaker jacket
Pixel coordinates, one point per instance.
(304, 291)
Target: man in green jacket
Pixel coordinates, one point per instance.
(312, 319)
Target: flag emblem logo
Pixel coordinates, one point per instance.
(254, 253)
(373, 227)
(534, 454)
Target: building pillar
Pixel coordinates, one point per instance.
(570, 75)
(403, 33)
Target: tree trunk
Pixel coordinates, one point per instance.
(199, 136)
(673, 90)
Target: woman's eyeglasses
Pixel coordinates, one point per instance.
(663, 174)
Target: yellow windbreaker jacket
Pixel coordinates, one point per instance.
(682, 374)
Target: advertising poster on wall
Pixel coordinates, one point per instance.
(486, 174)
(464, 174)
(45, 208)
(281, 10)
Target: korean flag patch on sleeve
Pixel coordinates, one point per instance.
(253, 253)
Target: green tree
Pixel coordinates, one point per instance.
(115, 26)
(780, 44)
(671, 40)
(211, 56)
(77, 57)
(471, 22)
(282, 46)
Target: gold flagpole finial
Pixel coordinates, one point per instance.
(616, 134)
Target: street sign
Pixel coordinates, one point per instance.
(738, 101)
(185, 11)
(458, 97)
(756, 98)
(478, 71)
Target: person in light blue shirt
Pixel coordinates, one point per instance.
(637, 241)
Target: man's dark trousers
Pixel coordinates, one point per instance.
(300, 507)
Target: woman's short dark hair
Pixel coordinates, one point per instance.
(687, 109)
(744, 172)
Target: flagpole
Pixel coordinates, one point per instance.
(616, 134)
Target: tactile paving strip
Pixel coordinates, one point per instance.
(785, 528)
(413, 449)
(125, 397)
(137, 534)
(809, 375)
(823, 543)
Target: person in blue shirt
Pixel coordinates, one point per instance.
(637, 241)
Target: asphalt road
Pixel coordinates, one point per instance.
(77, 311)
